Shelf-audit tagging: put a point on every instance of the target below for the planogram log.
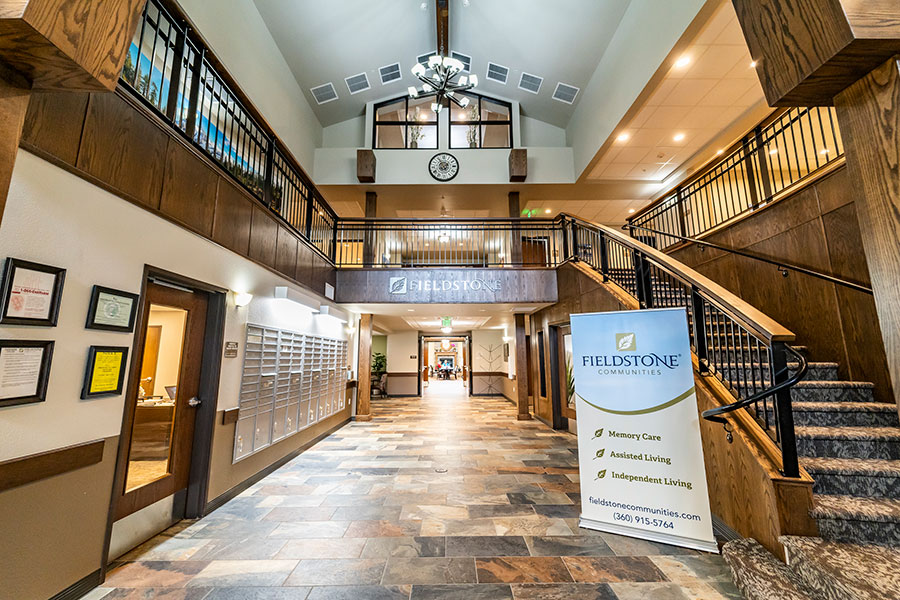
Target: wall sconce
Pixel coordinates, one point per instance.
(241, 299)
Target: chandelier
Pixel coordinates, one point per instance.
(438, 80)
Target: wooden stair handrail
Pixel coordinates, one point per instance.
(751, 318)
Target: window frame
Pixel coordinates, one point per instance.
(405, 124)
(481, 123)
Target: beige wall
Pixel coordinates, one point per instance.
(53, 217)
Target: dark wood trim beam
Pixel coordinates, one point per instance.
(442, 15)
(364, 375)
(524, 414)
(808, 51)
(34, 467)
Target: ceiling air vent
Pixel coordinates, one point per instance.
(357, 83)
(324, 93)
(565, 93)
(464, 59)
(530, 83)
(422, 59)
(497, 73)
(390, 73)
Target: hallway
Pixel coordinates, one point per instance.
(442, 498)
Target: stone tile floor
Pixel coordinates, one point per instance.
(445, 497)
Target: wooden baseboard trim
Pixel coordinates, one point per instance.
(220, 500)
(34, 467)
(80, 587)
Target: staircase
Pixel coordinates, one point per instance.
(850, 445)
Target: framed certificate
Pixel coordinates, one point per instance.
(105, 372)
(30, 293)
(112, 310)
(24, 371)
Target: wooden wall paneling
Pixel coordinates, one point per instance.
(780, 217)
(123, 148)
(231, 223)
(54, 123)
(263, 236)
(69, 44)
(189, 189)
(14, 95)
(34, 467)
(286, 252)
(835, 191)
(303, 269)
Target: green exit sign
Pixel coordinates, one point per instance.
(446, 321)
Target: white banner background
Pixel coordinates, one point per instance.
(639, 450)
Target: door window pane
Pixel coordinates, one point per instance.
(151, 436)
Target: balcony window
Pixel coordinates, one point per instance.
(406, 123)
(484, 123)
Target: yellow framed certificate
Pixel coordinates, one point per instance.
(105, 372)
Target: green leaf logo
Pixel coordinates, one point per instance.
(600, 453)
(625, 342)
(600, 474)
(598, 433)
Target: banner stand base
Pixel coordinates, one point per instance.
(653, 536)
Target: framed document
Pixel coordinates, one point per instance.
(112, 310)
(105, 372)
(24, 371)
(30, 293)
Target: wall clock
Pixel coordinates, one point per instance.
(443, 166)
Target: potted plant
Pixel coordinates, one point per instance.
(472, 132)
(379, 368)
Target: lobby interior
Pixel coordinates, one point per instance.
(285, 308)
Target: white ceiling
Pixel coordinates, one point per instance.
(390, 318)
(561, 41)
(697, 100)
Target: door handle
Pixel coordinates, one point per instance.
(195, 401)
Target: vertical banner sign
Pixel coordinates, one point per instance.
(639, 450)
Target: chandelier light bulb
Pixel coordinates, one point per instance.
(463, 80)
(464, 102)
(413, 92)
(427, 88)
(436, 107)
(418, 69)
(435, 61)
(473, 80)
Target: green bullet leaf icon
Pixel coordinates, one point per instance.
(598, 433)
(601, 474)
(600, 453)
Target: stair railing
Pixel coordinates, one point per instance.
(782, 266)
(736, 343)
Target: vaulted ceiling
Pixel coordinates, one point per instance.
(325, 42)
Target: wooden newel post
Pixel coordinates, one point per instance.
(845, 53)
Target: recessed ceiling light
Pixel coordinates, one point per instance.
(720, 152)
(683, 61)
(410, 310)
(630, 211)
(678, 137)
(753, 64)
(623, 137)
(548, 211)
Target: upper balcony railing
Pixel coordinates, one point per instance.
(171, 70)
(449, 243)
(777, 156)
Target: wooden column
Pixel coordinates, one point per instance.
(364, 374)
(368, 235)
(515, 252)
(522, 373)
(14, 94)
(869, 116)
(424, 362)
(845, 52)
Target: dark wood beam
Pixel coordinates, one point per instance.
(810, 50)
(442, 12)
(364, 372)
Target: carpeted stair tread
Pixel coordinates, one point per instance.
(852, 508)
(844, 571)
(887, 434)
(759, 575)
(851, 466)
(871, 407)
